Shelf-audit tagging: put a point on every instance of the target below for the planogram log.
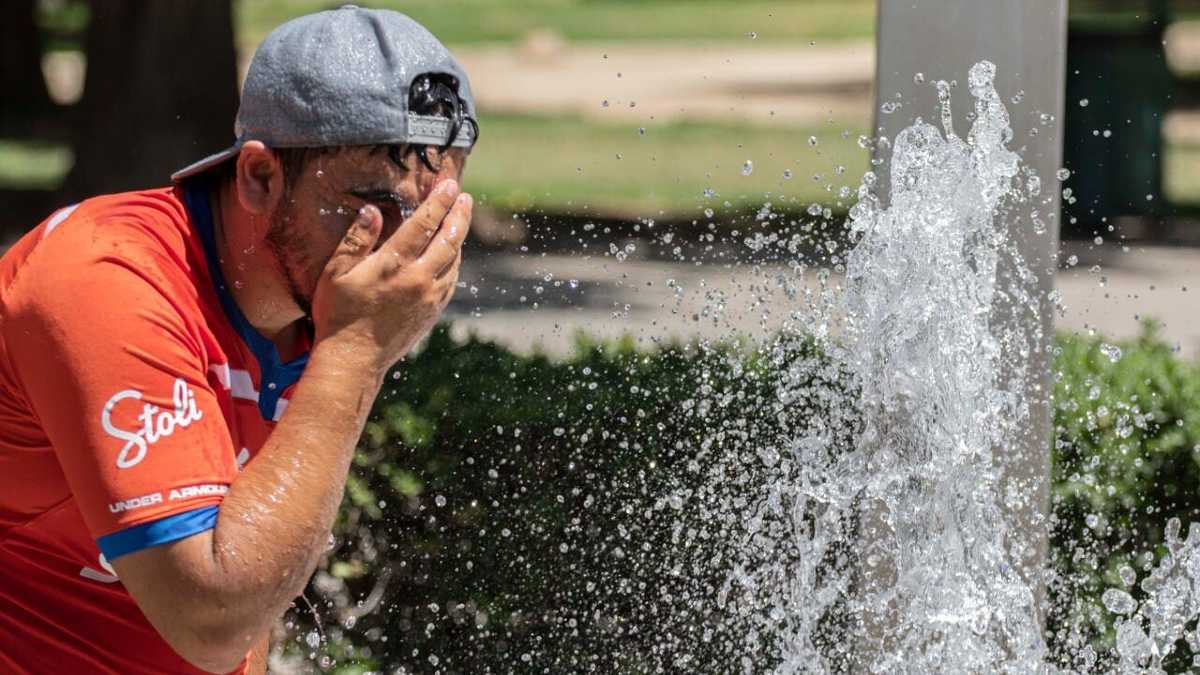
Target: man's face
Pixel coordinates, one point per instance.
(323, 200)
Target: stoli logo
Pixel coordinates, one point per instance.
(157, 424)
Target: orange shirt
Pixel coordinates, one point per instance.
(132, 390)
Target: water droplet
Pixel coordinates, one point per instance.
(1062, 174)
(919, 78)
(748, 168)
(752, 35)
(439, 500)
(708, 213)
(812, 140)
(889, 107)
(1118, 601)
(1127, 574)
(1098, 240)
(1113, 352)
(1034, 185)
(1072, 260)
(787, 174)
(1083, 103)
(641, 131)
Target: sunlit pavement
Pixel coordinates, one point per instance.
(1113, 288)
(655, 301)
(631, 82)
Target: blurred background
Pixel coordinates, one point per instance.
(600, 116)
(627, 109)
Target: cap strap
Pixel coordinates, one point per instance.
(433, 130)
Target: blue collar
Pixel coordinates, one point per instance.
(276, 375)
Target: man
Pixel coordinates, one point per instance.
(184, 372)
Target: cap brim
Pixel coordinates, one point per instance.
(206, 163)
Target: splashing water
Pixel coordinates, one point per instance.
(1147, 633)
(922, 339)
(901, 554)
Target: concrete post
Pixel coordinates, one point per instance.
(1026, 39)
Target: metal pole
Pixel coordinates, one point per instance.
(1026, 39)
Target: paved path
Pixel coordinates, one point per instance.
(656, 300)
(1131, 284)
(794, 85)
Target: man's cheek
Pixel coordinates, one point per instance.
(335, 220)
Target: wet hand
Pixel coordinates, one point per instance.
(377, 303)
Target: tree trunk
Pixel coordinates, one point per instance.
(160, 92)
(21, 80)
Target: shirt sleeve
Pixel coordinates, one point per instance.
(109, 357)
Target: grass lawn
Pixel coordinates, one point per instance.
(1181, 174)
(474, 21)
(33, 165)
(565, 164)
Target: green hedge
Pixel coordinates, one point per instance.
(518, 514)
(1126, 459)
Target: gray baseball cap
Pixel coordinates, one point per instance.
(342, 77)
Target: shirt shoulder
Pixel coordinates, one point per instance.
(99, 262)
(129, 225)
(148, 234)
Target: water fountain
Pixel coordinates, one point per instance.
(903, 552)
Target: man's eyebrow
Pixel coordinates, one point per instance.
(376, 193)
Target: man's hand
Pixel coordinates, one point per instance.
(378, 302)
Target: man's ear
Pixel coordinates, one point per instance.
(259, 179)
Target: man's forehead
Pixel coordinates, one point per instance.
(360, 165)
